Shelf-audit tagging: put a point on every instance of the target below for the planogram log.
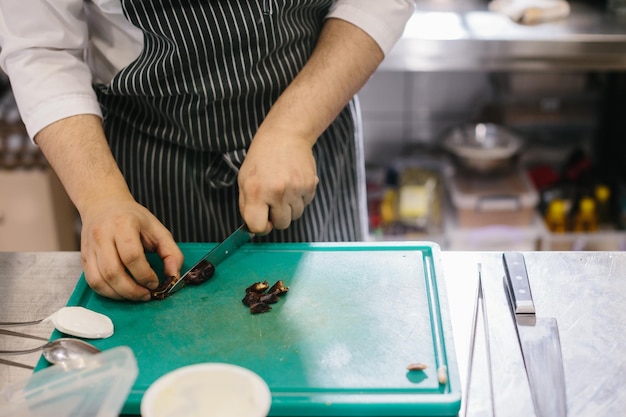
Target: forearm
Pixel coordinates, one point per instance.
(343, 60)
(279, 178)
(78, 152)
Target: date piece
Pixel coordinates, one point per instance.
(200, 273)
(278, 288)
(258, 308)
(161, 292)
(260, 295)
(258, 287)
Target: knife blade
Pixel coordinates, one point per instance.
(538, 339)
(216, 256)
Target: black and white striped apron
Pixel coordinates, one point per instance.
(180, 117)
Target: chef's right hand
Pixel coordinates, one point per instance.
(114, 235)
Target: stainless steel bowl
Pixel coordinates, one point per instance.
(483, 147)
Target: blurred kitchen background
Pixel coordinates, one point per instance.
(481, 133)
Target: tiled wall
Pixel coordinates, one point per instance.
(403, 109)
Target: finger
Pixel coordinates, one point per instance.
(112, 270)
(297, 208)
(280, 216)
(256, 217)
(309, 193)
(95, 281)
(169, 252)
(132, 255)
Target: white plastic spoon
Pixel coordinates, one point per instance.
(75, 321)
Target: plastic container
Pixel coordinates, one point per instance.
(96, 386)
(419, 198)
(208, 390)
(504, 199)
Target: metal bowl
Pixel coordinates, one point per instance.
(483, 147)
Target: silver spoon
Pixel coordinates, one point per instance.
(60, 350)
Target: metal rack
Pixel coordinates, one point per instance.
(473, 38)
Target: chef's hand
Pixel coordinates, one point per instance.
(115, 233)
(277, 180)
(278, 177)
(115, 228)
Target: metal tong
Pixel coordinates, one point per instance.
(22, 335)
(479, 303)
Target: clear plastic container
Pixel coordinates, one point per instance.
(96, 386)
(503, 199)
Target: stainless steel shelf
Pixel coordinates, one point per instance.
(474, 38)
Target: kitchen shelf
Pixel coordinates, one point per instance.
(473, 38)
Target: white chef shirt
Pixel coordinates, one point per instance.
(53, 51)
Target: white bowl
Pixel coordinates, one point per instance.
(207, 390)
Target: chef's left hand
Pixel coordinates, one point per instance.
(277, 180)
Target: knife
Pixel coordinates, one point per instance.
(539, 342)
(215, 257)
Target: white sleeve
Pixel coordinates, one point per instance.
(383, 20)
(42, 48)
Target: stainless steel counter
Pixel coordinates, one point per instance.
(585, 291)
(473, 38)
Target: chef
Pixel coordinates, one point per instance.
(177, 120)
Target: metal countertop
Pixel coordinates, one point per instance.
(585, 291)
(469, 37)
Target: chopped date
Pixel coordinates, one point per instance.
(161, 292)
(200, 273)
(251, 298)
(260, 295)
(258, 287)
(269, 298)
(260, 307)
(278, 288)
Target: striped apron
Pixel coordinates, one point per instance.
(180, 118)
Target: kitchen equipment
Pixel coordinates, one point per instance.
(75, 321)
(483, 148)
(479, 304)
(20, 334)
(59, 350)
(338, 343)
(505, 199)
(208, 390)
(217, 255)
(15, 364)
(538, 339)
(96, 386)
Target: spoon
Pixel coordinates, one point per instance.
(75, 321)
(60, 350)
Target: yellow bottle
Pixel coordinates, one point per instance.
(586, 219)
(603, 208)
(388, 208)
(556, 216)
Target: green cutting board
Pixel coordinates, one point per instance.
(337, 344)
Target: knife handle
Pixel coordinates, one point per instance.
(518, 283)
